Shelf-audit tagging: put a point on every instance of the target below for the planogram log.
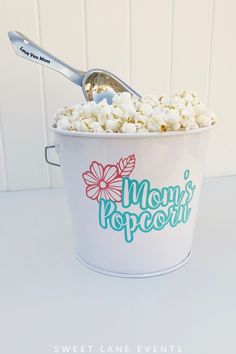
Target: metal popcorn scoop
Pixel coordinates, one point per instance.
(96, 84)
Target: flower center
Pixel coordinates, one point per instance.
(103, 184)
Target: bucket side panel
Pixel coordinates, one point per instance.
(169, 166)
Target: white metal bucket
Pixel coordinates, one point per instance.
(133, 197)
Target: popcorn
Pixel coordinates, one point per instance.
(128, 114)
(113, 125)
(203, 121)
(63, 124)
(128, 128)
(117, 111)
(156, 124)
(96, 127)
(81, 126)
(124, 97)
(128, 109)
(146, 109)
(172, 116)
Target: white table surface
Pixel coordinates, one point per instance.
(49, 299)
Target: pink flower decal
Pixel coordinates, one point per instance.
(106, 181)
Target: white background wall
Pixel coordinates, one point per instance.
(159, 46)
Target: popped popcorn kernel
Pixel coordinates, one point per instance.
(128, 128)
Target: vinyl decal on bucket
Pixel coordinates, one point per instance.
(110, 185)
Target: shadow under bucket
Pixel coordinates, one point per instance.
(133, 197)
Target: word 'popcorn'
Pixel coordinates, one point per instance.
(128, 114)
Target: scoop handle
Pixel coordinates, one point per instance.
(27, 49)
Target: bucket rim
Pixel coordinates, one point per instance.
(131, 135)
